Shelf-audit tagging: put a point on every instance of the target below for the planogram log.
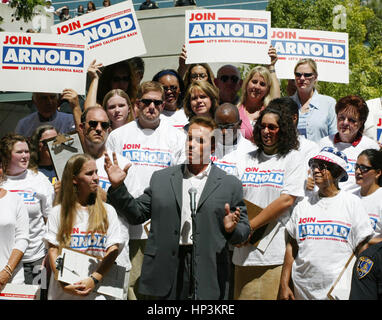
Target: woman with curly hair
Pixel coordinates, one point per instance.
(272, 180)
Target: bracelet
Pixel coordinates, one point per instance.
(96, 281)
(7, 271)
(9, 267)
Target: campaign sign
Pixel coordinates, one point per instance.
(379, 128)
(227, 36)
(112, 34)
(36, 62)
(329, 50)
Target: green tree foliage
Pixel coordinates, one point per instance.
(365, 34)
(24, 9)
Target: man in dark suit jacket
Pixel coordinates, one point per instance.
(168, 254)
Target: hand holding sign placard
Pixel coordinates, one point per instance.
(227, 36)
(112, 34)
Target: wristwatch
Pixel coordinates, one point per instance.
(94, 279)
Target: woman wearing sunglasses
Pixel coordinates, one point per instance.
(351, 114)
(174, 91)
(259, 87)
(368, 175)
(316, 111)
(272, 179)
(324, 230)
(119, 75)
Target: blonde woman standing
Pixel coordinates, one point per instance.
(81, 221)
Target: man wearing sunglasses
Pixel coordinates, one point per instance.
(229, 82)
(150, 144)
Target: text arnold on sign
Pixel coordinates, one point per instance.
(227, 29)
(302, 48)
(42, 56)
(107, 29)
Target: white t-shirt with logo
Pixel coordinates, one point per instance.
(373, 123)
(264, 179)
(148, 150)
(14, 232)
(82, 241)
(226, 156)
(37, 192)
(351, 153)
(327, 231)
(373, 206)
(123, 258)
(177, 119)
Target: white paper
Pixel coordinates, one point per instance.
(112, 34)
(329, 50)
(78, 266)
(227, 36)
(20, 292)
(38, 62)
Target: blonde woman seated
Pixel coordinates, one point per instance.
(78, 219)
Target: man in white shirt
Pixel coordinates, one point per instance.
(150, 144)
(196, 209)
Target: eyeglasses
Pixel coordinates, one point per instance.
(228, 125)
(147, 102)
(271, 127)
(363, 168)
(198, 76)
(172, 88)
(119, 79)
(94, 124)
(350, 119)
(306, 75)
(318, 165)
(234, 79)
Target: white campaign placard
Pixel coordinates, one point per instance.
(112, 33)
(329, 50)
(37, 62)
(379, 127)
(227, 36)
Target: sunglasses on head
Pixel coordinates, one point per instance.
(234, 79)
(363, 168)
(119, 79)
(305, 74)
(104, 125)
(147, 102)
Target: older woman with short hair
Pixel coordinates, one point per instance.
(351, 114)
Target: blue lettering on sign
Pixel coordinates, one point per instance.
(107, 29)
(43, 56)
(379, 135)
(228, 29)
(303, 48)
(149, 157)
(275, 178)
(323, 230)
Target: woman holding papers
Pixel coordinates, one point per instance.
(37, 193)
(324, 230)
(272, 179)
(259, 88)
(317, 118)
(368, 175)
(14, 236)
(82, 222)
